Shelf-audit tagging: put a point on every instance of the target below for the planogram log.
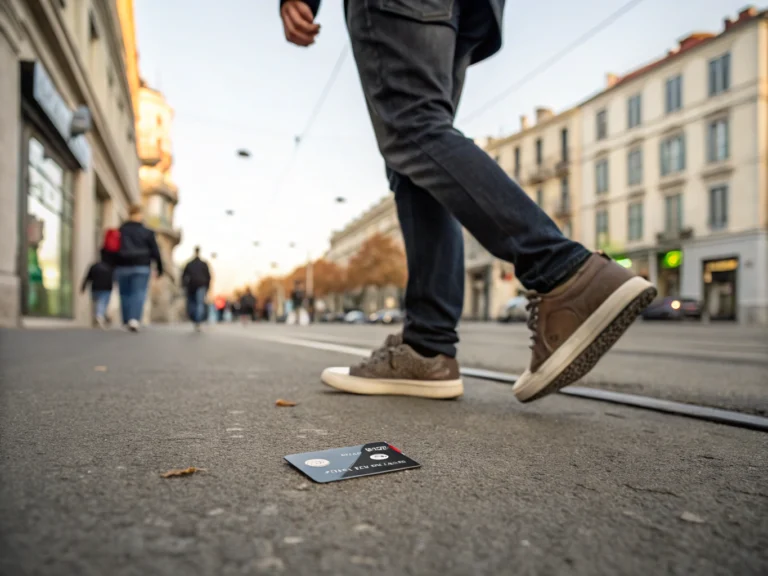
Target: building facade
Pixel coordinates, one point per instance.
(544, 157)
(675, 170)
(69, 167)
(381, 219)
(159, 196)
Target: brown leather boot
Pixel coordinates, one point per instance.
(578, 322)
(397, 369)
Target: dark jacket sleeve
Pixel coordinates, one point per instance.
(154, 253)
(207, 277)
(313, 4)
(185, 276)
(88, 278)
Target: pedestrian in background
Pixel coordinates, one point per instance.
(247, 306)
(138, 249)
(101, 278)
(412, 57)
(196, 280)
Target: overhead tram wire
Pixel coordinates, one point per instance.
(547, 64)
(312, 117)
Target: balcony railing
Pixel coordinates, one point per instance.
(674, 235)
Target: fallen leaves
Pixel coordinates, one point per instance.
(100, 368)
(285, 403)
(181, 472)
(692, 518)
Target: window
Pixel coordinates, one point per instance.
(539, 152)
(517, 163)
(635, 167)
(601, 228)
(539, 197)
(634, 111)
(674, 94)
(673, 155)
(564, 144)
(673, 214)
(635, 214)
(717, 140)
(718, 207)
(93, 31)
(159, 120)
(601, 176)
(110, 77)
(719, 74)
(602, 125)
(565, 195)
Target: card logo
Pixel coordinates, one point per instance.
(379, 456)
(317, 462)
(376, 448)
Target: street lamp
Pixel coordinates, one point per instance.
(243, 153)
(340, 200)
(229, 212)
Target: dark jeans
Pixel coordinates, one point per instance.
(412, 68)
(196, 304)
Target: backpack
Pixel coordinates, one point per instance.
(112, 245)
(112, 241)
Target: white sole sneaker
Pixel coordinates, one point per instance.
(340, 379)
(579, 354)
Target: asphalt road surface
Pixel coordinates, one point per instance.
(89, 420)
(717, 365)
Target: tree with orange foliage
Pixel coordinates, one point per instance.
(380, 262)
(328, 278)
(267, 289)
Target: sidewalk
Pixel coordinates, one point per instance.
(89, 420)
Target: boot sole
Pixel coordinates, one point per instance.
(579, 354)
(340, 379)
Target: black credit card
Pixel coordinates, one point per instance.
(351, 462)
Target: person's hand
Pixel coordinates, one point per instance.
(299, 23)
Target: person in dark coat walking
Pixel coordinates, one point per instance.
(138, 249)
(101, 279)
(196, 280)
(412, 57)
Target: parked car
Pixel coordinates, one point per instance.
(673, 308)
(514, 310)
(332, 317)
(387, 316)
(354, 317)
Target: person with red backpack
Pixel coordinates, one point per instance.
(132, 249)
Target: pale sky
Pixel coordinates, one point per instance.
(235, 83)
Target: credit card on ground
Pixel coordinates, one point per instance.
(351, 462)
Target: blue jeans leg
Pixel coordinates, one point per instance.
(101, 302)
(196, 305)
(132, 283)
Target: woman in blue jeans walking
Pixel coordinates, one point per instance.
(138, 249)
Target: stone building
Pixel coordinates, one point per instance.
(675, 169)
(69, 167)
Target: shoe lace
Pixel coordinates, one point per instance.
(534, 299)
(386, 352)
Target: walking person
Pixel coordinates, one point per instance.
(101, 278)
(196, 280)
(247, 307)
(412, 57)
(138, 249)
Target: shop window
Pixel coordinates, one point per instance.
(49, 221)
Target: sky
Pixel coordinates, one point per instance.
(235, 83)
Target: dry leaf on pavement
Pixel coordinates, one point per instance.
(285, 403)
(100, 368)
(692, 518)
(182, 472)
